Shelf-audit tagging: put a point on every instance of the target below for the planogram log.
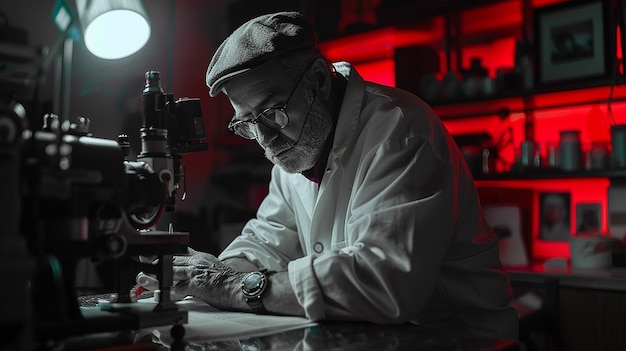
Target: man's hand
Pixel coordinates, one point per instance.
(203, 276)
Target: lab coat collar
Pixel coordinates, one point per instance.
(350, 111)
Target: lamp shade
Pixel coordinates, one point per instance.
(113, 29)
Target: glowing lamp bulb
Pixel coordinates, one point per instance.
(116, 34)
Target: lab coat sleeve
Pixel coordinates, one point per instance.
(401, 217)
(270, 240)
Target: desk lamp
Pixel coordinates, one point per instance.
(111, 29)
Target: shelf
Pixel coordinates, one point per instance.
(550, 173)
(540, 98)
(536, 273)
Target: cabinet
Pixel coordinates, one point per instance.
(497, 33)
(581, 310)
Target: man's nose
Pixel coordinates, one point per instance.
(264, 135)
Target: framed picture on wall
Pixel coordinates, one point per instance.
(506, 221)
(588, 218)
(554, 216)
(574, 40)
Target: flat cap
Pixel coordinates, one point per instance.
(257, 41)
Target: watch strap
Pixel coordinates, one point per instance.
(256, 305)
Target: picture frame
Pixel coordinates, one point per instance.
(574, 40)
(507, 222)
(588, 218)
(554, 216)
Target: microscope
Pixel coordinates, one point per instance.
(68, 195)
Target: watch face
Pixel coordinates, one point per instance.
(253, 284)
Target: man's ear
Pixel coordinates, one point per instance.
(323, 77)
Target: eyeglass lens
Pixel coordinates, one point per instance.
(272, 118)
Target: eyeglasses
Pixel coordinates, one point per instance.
(275, 118)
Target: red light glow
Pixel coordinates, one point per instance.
(380, 71)
(378, 44)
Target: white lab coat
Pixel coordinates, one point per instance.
(395, 231)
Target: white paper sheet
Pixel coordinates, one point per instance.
(206, 323)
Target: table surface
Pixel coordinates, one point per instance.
(359, 336)
(324, 336)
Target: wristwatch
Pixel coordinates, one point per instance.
(253, 286)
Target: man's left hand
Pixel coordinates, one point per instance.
(203, 276)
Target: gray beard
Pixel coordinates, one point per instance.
(308, 149)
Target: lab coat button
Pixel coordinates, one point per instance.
(318, 247)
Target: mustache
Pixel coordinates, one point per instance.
(280, 144)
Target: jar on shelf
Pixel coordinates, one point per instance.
(570, 150)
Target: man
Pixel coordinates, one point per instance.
(372, 214)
